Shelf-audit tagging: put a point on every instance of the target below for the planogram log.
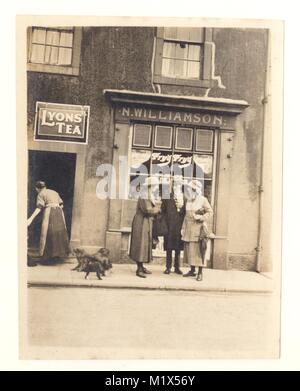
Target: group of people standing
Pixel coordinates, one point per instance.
(180, 218)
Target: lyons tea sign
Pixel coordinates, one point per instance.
(59, 122)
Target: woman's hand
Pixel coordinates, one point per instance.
(29, 221)
(198, 217)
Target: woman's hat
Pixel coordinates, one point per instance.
(195, 185)
(40, 184)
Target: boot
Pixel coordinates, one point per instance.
(190, 273)
(139, 270)
(146, 271)
(199, 275)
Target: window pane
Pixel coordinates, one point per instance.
(65, 56)
(194, 52)
(183, 33)
(51, 55)
(135, 184)
(38, 35)
(180, 68)
(142, 135)
(37, 54)
(169, 49)
(196, 34)
(208, 190)
(204, 140)
(52, 37)
(181, 51)
(193, 70)
(184, 138)
(170, 32)
(163, 137)
(182, 165)
(168, 67)
(66, 39)
(140, 161)
(203, 166)
(161, 162)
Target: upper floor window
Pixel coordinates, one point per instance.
(182, 53)
(55, 50)
(183, 56)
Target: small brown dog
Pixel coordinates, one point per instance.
(98, 262)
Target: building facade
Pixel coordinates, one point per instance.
(153, 96)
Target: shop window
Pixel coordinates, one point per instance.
(184, 138)
(166, 151)
(163, 137)
(54, 50)
(141, 135)
(183, 56)
(204, 140)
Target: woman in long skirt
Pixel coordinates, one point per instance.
(194, 229)
(141, 234)
(54, 242)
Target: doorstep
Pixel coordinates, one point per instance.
(122, 276)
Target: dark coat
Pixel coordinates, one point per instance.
(174, 220)
(141, 232)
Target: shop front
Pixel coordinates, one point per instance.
(169, 135)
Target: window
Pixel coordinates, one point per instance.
(171, 150)
(182, 53)
(55, 50)
(183, 56)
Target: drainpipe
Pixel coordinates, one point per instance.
(265, 101)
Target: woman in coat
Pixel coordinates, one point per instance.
(194, 229)
(54, 242)
(148, 207)
(173, 210)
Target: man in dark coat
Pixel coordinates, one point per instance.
(173, 210)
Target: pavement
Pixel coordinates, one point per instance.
(122, 276)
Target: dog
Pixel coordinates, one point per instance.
(98, 262)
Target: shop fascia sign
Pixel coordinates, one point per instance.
(61, 122)
(173, 116)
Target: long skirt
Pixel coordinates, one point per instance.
(54, 241)
(192, 255)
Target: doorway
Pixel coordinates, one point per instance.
(58, 171)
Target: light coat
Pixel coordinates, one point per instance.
(191, 226)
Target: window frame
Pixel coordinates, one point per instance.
(154, 146)
(73, 69)
(205, 78)
(149, 138)
(214, 153)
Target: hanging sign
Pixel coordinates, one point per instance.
(61, 122)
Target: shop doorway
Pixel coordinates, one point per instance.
(58, 171)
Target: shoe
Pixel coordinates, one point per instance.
(189, 274)
(146, 271)
(167, 271)
(177, 271)
(31, 264)
(199, 277)
(140, 274)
